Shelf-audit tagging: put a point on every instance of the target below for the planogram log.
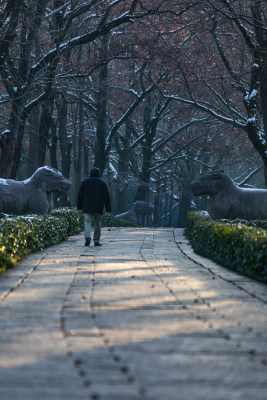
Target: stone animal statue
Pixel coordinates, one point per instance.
(34, 195)
(137, 213)
(227, 200)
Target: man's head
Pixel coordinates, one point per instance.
(95, 172)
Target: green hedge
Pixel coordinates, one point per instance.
(21, 235)
(233, 244)
(109, 220)
(73, 216)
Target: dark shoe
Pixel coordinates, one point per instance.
(98, 244)
(87, 241)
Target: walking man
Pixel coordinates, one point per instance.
(92, 196)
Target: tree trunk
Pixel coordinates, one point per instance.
(171, 205)
(184, 208)
(143, 181)
(66, 146)
(78, 158)
(101, 125)
(122, 184)
(18, 147)
(86, 148)
(33, 138)
(8, 141)
(44, 128)
(166, 203)
(53, 146)
(263, 91)
(122, 181)
(144, 177)
(101, 115)
(157, 210)
(122, 148)
(65, 143)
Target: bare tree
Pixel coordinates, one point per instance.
(21, 74)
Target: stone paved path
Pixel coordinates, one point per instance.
(141, 317)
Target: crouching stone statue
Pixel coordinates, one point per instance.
(137, 213)
(34, 195)
(228, 200)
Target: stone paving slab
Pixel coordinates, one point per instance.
(142, 317)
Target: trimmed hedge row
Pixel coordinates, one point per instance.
(234, 245)
(22, 235)
(109, 220)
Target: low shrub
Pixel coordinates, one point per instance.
(256, 224)
(233, 244)
(74, 217)
(21, 235)
(111, 221)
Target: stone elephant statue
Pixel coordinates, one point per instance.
(33, 195)
(137, 213)
(227, 200)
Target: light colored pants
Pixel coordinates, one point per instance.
(97, 226)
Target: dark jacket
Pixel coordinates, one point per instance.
(93, 195)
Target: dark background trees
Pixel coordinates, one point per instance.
(151, 92)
